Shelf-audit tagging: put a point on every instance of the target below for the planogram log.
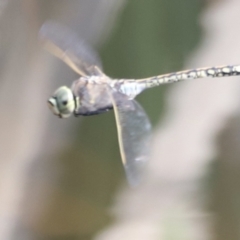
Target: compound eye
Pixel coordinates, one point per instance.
(64, 102)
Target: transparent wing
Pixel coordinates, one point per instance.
(64, 44)
(134, 131)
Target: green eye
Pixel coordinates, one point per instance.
(62, 103)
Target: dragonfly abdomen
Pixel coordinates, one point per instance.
(131, 87)
(220, 71)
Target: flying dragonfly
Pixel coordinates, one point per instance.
(95, 93)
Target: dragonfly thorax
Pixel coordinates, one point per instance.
(63, 102)
(92, 94)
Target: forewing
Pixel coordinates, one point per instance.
(134, 131)
(67, 46)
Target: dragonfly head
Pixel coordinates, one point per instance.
(63, 102)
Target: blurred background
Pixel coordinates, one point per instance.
(63, 179)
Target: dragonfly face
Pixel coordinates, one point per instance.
(63, 102)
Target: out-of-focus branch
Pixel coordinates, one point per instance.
(27, 146)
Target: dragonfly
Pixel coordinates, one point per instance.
(95, 93)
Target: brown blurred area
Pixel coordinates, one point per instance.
(38, 180)
(63, 179)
